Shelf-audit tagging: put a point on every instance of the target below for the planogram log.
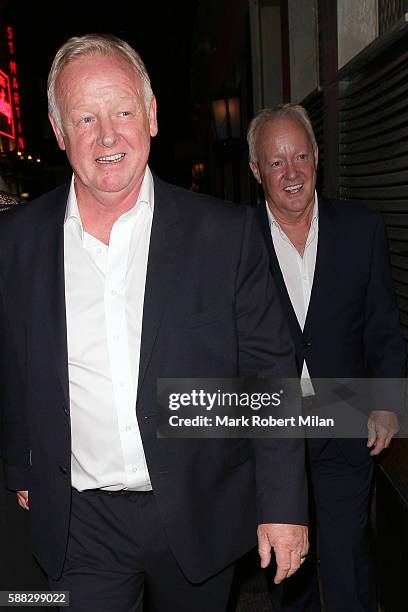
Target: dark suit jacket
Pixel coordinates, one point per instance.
(210, 310)
(352, 326)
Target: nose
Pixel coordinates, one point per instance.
(107, 133)
(291, 170)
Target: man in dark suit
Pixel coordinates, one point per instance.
(18, 570)
(330, 264)
(119, 279)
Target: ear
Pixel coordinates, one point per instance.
(316, 154)
(255, 171)
(58, 132)
(154, 128)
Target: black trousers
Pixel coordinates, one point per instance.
(340, 495)
(117, 549)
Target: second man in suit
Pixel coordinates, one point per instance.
(330, 263)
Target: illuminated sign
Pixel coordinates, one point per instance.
(10, 98)
(6, 111)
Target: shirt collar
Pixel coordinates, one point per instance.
(315, 215)
(146, 196)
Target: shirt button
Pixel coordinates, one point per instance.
(99, 250)
(113, 292)
(134, 469)
(116, 336)
(128, 428)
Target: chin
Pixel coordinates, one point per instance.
(112, 186)
(300, 202)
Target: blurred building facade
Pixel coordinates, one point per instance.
(346, 62)
(259, 53)
(20, 169)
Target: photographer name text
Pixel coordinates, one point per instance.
(253, 420)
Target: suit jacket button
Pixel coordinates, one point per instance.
(306, 344)
(63, 469)
(66, 410)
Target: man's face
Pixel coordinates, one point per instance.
(286, 168)
(105, 127)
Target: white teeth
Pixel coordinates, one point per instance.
(293, 188)
(108, 159)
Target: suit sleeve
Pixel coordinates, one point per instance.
(384, 344)
(14, 444)
(266, 350)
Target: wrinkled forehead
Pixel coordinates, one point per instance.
(284, 130)
(96, 66)
(99, 77)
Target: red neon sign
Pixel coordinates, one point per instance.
(6, 109)
(10, 99)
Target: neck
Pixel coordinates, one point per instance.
(99, 211)
(298, 220)
(296, 227)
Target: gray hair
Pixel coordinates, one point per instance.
(289, 111)
(93, 44)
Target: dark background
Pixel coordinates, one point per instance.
(161, 31)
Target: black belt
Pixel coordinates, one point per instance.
(120, 493)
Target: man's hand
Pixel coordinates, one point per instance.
(22, 498)
(382, 426)
(290, 543)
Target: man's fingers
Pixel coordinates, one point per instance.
(372, 434)
(283, 565)
(265, 558)
(295, 563)
(290, 545)
(264, 550)
(22, 499)
(287, 564)
(382, 426)
(379, 446)
(371, 440)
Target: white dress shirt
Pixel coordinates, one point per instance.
(298, 273)
(104, 289)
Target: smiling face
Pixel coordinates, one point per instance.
(105, 127)
(286, 168)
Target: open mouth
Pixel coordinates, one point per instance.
(293, 189)
(110, 159)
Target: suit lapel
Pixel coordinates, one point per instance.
(164, 243)
(48, 296)
(326, 249)
(277, 274)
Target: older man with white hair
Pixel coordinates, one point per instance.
(330, 263)
(119, 279)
